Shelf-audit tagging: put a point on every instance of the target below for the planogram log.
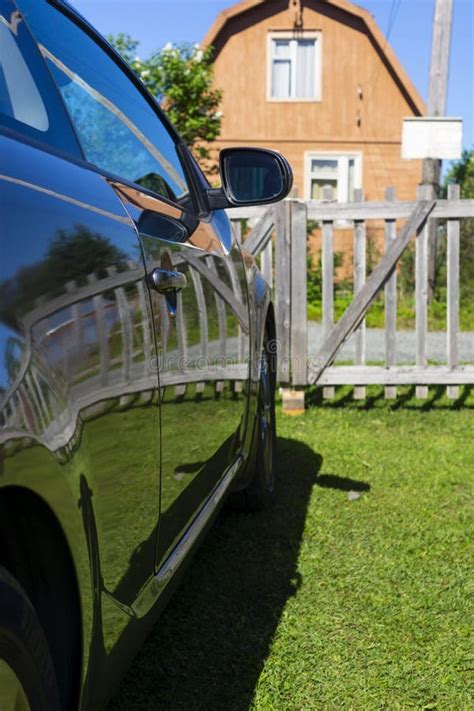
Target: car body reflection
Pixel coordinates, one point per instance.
(120, 413)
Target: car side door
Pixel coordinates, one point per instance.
(203, 333)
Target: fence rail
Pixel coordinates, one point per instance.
(279, 236)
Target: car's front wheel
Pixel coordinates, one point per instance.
(27, 678)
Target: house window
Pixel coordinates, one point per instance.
(295, 68)
(342, 172)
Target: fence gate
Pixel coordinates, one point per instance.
(279, 241)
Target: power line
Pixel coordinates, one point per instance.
(392, 17)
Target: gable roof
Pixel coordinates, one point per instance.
(375, 34)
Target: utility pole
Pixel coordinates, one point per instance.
(437, 93)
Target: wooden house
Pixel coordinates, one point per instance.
(317, 81)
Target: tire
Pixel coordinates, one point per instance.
(260, 493)
(26, 669)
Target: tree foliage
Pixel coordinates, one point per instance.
(72, 256)
(180, 78)
(461, 173)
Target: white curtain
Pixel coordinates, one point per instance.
(305, 59)
(281, 79)
(281, 69)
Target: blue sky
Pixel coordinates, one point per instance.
(156, 22)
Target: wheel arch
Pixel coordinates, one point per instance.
(35, 550)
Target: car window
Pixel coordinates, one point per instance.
(29, 103)
(118, 129)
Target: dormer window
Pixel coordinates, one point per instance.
(294, 67)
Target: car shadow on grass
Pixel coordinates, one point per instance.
(209, 646)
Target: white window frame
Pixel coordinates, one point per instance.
(318, 69)
(343, 171)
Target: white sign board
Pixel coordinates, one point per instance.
(432, 137)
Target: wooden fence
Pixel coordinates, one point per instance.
(279, 241)
(280, 238)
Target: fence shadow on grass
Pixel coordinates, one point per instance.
(406, 399)
(209, 646)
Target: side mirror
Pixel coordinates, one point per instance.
(251, 176)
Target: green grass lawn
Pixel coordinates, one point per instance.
(330, 601)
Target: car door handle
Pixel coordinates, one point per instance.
(167, 281)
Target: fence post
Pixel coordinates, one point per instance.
(236, 288)
(359, 281)
(45, 410)
(40, 416)
(299, 266)
(127, 335)
(266, 262)
(181, 334)
(102, 334)
(421, 293)
(15, 420)
(390, 391)
(220, 308)
(452, 391)
(293, 401)
(147, 338)
(236, 227)
(73, 353)
(30, 417)
(327, 257)
(282, 288)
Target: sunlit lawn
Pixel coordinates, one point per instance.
(355, 592)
